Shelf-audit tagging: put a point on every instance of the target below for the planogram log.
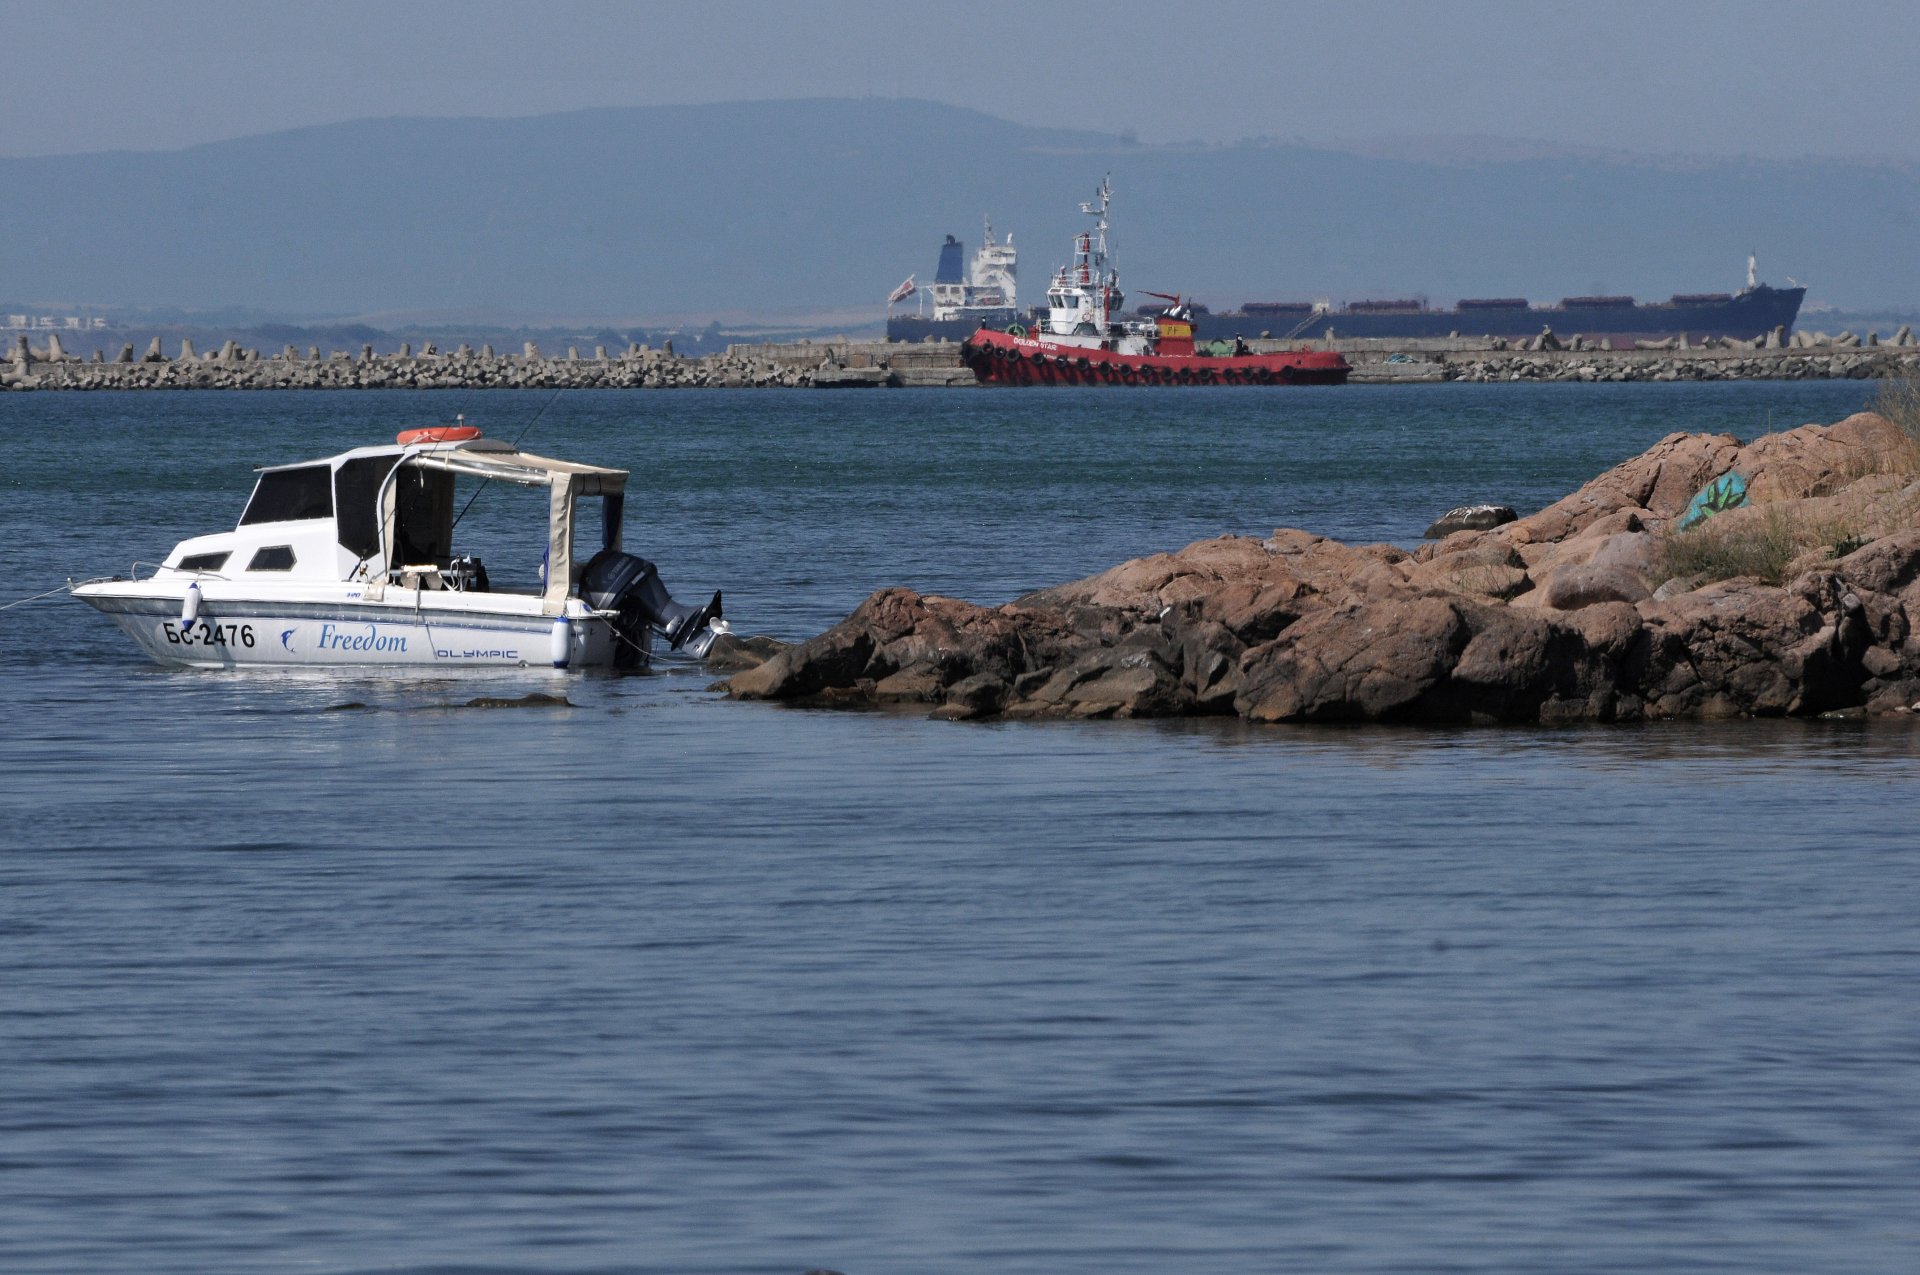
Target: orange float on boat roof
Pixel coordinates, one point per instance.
(437, 434)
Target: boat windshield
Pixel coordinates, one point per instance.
(291, 495)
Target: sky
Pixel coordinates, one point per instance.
(1708, 77)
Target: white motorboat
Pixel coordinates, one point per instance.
(350, 561)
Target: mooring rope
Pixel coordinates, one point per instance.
(68, 587)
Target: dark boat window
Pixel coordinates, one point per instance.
(203, 562)
(356, 494)
(272, 558)
(289, 495)
(423, 521)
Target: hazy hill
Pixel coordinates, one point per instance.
(804, 206)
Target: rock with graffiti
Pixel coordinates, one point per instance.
(1705, 578)
(1728, 491)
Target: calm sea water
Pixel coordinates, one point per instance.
(665, 983)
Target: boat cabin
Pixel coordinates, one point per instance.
(386, 515)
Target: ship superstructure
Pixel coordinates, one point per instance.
(986, 290)
(1084, 298)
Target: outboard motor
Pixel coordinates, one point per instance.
(615, 581)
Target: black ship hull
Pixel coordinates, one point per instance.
(1744, 315)
(909, 327)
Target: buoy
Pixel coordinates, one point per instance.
(437, 434)
(560, 642)
(190, 609)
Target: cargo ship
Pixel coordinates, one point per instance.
(986, 292)
(1079, 337)
(1756, 309)
(966, 295)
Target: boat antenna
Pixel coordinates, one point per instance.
(516, 446)
(536, 417)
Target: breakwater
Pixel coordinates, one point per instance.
(1811, 358)
(854, 364)
(831, 365)
(232, 367)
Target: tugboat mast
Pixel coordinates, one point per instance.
(1086, 294)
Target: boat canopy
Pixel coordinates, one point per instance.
(568, 482)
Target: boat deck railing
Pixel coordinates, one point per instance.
(133, 572)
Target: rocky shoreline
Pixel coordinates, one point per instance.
(1801, 601)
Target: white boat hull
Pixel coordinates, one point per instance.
(262, 633)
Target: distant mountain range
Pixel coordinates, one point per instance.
(820, 207)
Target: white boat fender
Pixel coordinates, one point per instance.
(190, 608)
(560, 642)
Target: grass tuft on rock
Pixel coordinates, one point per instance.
(1899, 401)
(1775, 541)
(1770, 543)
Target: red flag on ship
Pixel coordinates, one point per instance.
(901, 293)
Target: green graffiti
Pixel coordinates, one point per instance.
(1729, 491)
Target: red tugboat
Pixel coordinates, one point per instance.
(1081, 342)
